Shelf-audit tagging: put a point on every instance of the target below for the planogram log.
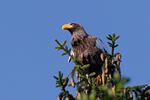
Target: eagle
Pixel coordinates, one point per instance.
(86, 48)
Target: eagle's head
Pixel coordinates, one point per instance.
(73, 27)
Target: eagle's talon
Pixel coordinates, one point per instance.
(98, 79)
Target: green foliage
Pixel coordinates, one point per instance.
(109, 85)
(113, 44)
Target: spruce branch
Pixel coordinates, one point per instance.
(109, 85)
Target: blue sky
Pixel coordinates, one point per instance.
(28, 28)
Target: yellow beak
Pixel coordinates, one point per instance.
(66, 26)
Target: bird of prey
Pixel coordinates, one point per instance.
(86, 48)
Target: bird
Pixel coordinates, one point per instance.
(86, 48)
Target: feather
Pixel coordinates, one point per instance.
(100, 45)
(69, 59)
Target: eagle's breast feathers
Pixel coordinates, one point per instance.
(85, 49)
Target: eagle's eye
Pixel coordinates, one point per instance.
(74, 25)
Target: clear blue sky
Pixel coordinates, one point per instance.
(28, 28)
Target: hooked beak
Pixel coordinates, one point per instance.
(66, 26)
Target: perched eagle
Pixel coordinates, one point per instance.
(85, 47)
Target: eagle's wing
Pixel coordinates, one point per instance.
(69, 59)
(100, 45)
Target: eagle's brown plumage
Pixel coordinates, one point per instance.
(84, 47)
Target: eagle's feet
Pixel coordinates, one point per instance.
(98, 79)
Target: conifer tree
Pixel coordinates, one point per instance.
(110, 85)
